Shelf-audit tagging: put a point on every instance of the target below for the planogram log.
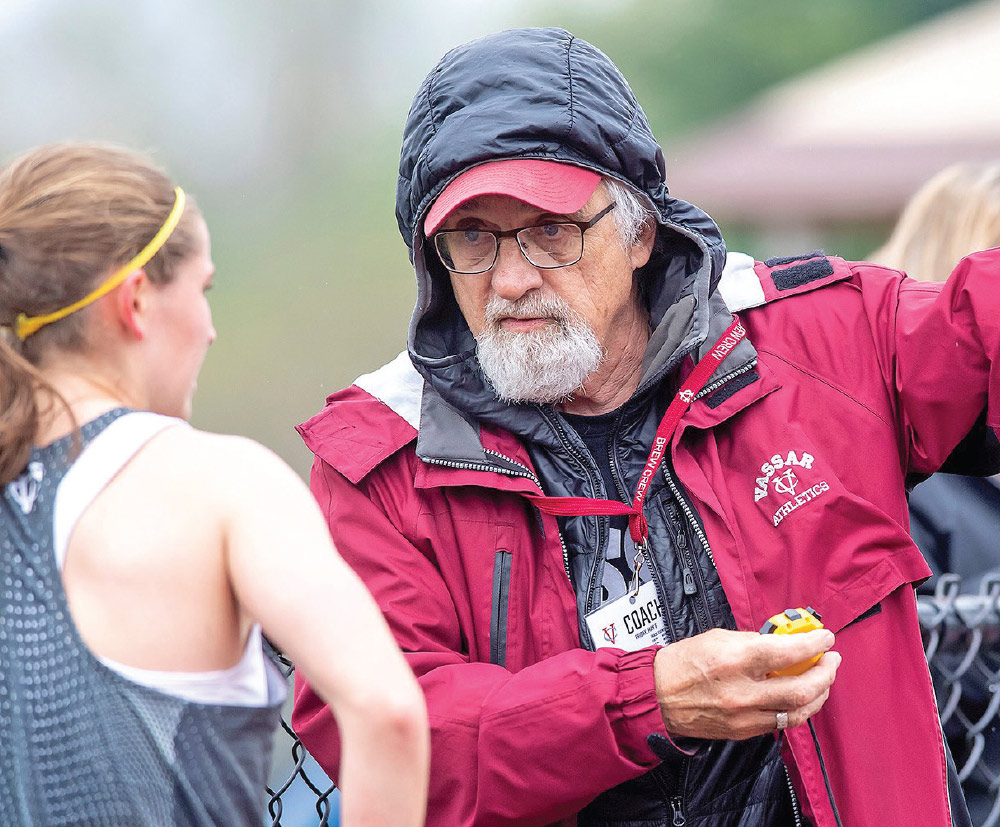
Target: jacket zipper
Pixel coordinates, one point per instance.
(677, 805)
(693, 585)
(661, 594)
(478, 466)
(501, 600)
(673, 795)
(654, 571)
(796, 811)
(602, 522)
(718, 383)
(702, 610)
(619, 485)
(674, 488)
(525, 473)
(689, 513)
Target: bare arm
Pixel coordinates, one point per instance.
(286, 574)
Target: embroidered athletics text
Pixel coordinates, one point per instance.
(806, 496)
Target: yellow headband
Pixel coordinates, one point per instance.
(24, 326)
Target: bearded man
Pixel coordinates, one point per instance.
(587, 485)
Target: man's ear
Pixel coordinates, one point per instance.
(132, 301)
(641, 251)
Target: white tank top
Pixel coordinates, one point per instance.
(244, 684)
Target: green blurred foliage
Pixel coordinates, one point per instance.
(312, 290)
(691, 62)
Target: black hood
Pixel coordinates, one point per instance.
(542, 93)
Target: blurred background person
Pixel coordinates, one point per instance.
(955, 519)
(139, 556)
(955, 213)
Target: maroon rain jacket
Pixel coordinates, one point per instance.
(865, 377)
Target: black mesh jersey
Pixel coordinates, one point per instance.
(81, 745)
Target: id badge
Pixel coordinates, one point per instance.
(631, 622)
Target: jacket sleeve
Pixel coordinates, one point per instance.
(522, 748)
(944, 358)
(978, 454)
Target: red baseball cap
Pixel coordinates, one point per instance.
(549, 185)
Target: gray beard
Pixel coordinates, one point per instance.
(546, 365)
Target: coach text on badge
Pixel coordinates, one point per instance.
(631, 622)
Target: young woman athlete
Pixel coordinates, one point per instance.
(140, 557)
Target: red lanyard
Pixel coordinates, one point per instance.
(637, 526)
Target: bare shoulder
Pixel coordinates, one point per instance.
(221, 457)
(230, 482)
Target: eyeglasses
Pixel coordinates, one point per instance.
(546, 246)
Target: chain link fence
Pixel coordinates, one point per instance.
(300, 794)
(961, 639)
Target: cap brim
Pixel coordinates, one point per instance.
(548, 185)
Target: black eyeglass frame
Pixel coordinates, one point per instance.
(499, 234)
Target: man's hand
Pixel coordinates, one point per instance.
(715, 685)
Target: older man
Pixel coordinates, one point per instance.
(588, 485)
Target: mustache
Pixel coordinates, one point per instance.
(527, 307)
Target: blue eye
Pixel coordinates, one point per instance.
(551, 230)
(471, 236)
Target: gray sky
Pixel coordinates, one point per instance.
(226, 88)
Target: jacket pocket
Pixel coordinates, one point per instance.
(500, 606)
(874, 610)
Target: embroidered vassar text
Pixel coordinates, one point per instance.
(775, 464)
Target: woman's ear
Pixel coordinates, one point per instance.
(132, 304)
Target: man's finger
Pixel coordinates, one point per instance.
(790, 718)
(805, 693)
(775, 652)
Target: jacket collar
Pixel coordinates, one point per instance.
(447, 437)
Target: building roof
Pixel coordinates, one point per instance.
(854, 139)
